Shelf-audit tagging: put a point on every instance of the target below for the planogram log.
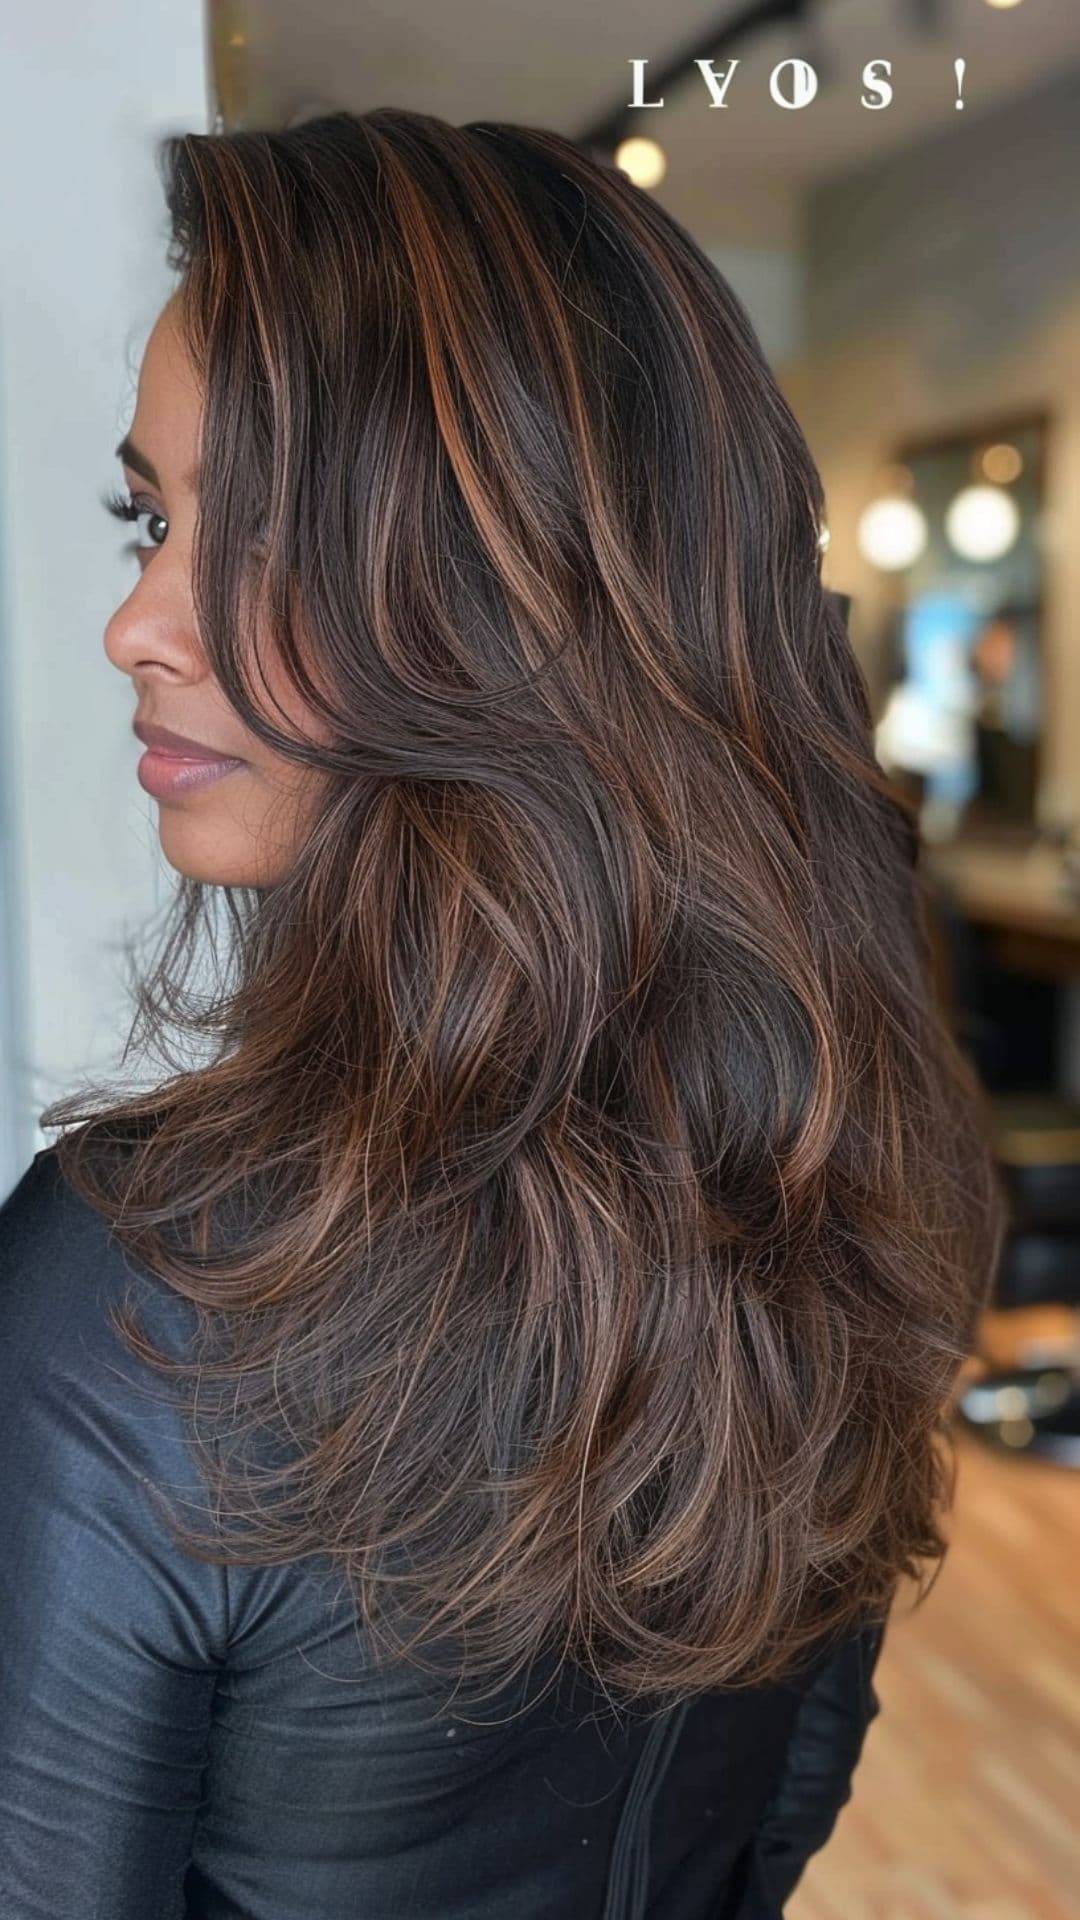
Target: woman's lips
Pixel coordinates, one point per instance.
(164, 774)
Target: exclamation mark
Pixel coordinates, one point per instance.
(958, 69)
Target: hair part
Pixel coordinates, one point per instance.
(582, 1194)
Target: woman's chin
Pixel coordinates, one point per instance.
(209, 848)
(248, 842)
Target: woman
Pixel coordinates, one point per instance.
(462, 1435)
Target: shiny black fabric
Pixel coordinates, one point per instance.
(182, 1740)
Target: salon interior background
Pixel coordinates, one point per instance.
(908, 268)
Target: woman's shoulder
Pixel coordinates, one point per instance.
(36, 1212)
(96, 1447)
(52, 1239)
(62, 1270)
(90, 1441)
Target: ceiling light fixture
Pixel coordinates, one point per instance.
(642, 160)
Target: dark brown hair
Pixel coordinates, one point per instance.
(580, 1184)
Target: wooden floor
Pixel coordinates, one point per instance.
(966, 1804)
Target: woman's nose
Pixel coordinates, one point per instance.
(153, 630)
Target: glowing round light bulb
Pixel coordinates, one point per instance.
(1001, 463)
(982, 523)
(891, 533)
(642, 159)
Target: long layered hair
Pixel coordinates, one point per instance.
(585, 1205)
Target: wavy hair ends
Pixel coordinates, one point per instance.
(581, 1192)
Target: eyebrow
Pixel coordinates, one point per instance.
(129, 453)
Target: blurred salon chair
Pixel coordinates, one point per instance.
(1033, 1405)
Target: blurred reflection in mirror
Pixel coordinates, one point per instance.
(962, 719)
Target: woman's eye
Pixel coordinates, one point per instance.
(125, 508)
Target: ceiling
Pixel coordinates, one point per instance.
(735, 175)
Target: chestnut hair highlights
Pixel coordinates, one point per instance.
(582, 1189)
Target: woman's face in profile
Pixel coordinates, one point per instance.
(237, 826)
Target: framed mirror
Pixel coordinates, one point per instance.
(958, 525)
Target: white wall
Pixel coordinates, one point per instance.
(770, 283)
(85, 92)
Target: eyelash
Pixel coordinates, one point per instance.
(125, 508)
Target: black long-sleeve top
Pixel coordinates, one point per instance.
(182, 1741)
